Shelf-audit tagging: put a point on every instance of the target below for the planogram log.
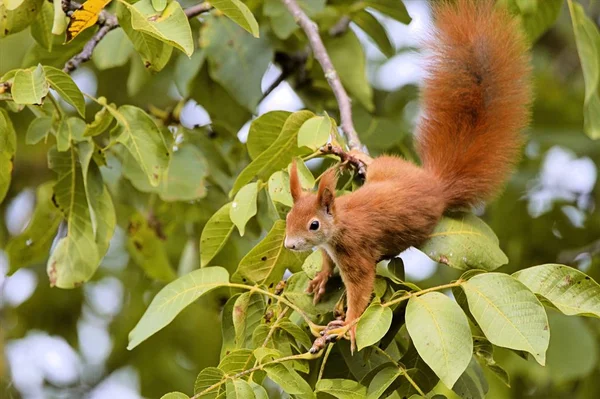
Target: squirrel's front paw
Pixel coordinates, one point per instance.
(317, 286)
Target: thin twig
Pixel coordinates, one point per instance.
(457, 283)
(340, 26)
(194, 11)
(107, 22)
(316, 44)
(55, 103)
(402, 370)
(322, 369)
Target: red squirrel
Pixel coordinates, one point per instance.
(475, 102)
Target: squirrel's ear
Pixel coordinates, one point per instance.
(295, 187)
(326, 193)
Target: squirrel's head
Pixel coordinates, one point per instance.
(310, 223)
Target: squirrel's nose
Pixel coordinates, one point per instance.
(289, 244)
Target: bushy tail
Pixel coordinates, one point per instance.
(475, 100)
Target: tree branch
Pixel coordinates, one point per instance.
(312, 32)
(107, 22)
(194, 11)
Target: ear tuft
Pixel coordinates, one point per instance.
(295, 187)
(326, 193)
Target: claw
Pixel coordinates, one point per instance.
(317, 286)
(318, 345)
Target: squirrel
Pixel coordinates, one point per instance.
(475, 102)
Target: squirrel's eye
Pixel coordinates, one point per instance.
(314, 225)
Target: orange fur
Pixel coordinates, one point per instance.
(475, 101)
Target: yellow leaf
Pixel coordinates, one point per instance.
(85, 17)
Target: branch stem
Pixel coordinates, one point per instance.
(56, 106)
(344, 103)
(425, 291)
(402, 370)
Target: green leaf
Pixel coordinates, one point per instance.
(587, 38)
(75, 258)
(239, 389)
(472, 383)
(237, 61)
(208, 377)
(69, 130)
(248, 311)
(175, 395)
(373, 325)
(239, 13)
(279, 188)
(29, 86)
(159, 5)
(463, 241)
(175, 297)
(237, 361)
(12, 4)
(288, 379)
(264, 130)
(33, 244)
(8, 147)
(102, 121)
(282, 21)
(59, 23)
(259, 391)
(484, 350)
(372, 27)
(570, 290)
(227, 329)
(391, 8)
(536, 16)
(342, 389)
(38, 129)
(102, 210)
(266, 262)
(278, 155)
(155, 53)
(112, 51)
(393, 270)
(225, 111)
(178, 184)
(440, 332)
(215, 234)
(140, 135)
(19, 18)
(298, 333)
(418, 370)
(351, 70)
(295, 291)
(148, 249)
(243, 207)
(313, 264)
(314, 133)
(41, 30)
(186, 69)
(170, 26)
(508, 313)
(382, 381)
(573, 350)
